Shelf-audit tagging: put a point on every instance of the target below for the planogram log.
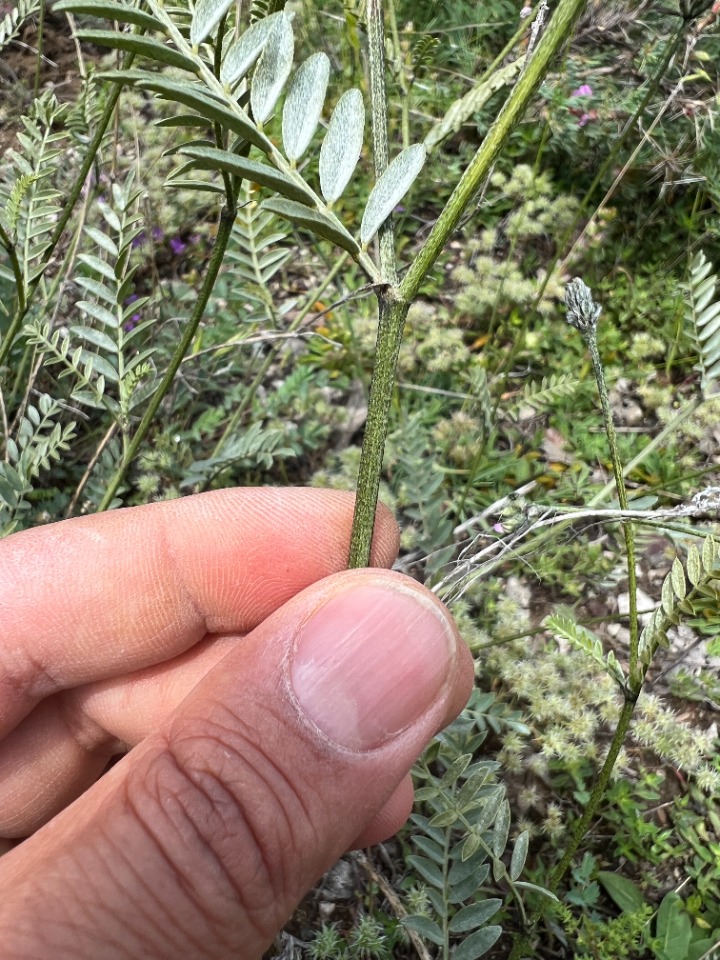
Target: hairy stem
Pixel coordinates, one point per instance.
(390, 327)
(227, 218)
(39, 54)
(394, 302)
(556, 34)
(628, 528)
(379, 112)
(522, 945)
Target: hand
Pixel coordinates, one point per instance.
(273, 704)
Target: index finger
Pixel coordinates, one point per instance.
(100, 596)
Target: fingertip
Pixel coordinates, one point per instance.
(386, 538)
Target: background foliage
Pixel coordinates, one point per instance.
(495, 423)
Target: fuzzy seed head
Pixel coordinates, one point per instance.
(583, 313)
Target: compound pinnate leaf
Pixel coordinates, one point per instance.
(303, 105)
(390, 189)
(207, 15)
(341, 147)
(273, 69)
(245, 51)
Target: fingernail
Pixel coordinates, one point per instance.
(371, 661)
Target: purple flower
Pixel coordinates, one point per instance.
(177, 246)
(158, 234)
(584, 119)
(132, 323)
(132, 298)
(139, 240)
(583, 91)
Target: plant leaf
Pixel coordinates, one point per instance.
(303, 105)
(677, 576)
(519, 855)
(425, 927)
(207, 15)
(623, 891)
(142, 46)
(694, 566)
(468, 918)
(477, 943)
(390, 189)
(95, 337)
(110, 10)
(195, 96)
(314, 221)
(273, 69)
(343, 142)
(674, 928)
(502, 829)
(427, 869)
(210, 158)
(245, 51)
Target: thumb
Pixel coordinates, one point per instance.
(200, 843)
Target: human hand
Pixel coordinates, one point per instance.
(274, 705)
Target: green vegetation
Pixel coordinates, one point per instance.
(200, 237)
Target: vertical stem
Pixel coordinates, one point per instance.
(390, 327)
(394, 301)
(392, 312)
(400, 74)
(227, 218)
(379, 112)
(38, 62)
(598, 791)
(628, 527)
(522, 946)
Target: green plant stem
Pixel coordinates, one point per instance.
(379, 112)
(390, 327)
(227, 218)
(557, 32)
(598, 791)
(394, 302)
(628, 528)
(392, 311)
(25, 298)
(16, 268)
(400, 74)
(40, 37)
(219, 138)
(522, 945)
(654, 444)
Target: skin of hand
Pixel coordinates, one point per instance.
(270, 705)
